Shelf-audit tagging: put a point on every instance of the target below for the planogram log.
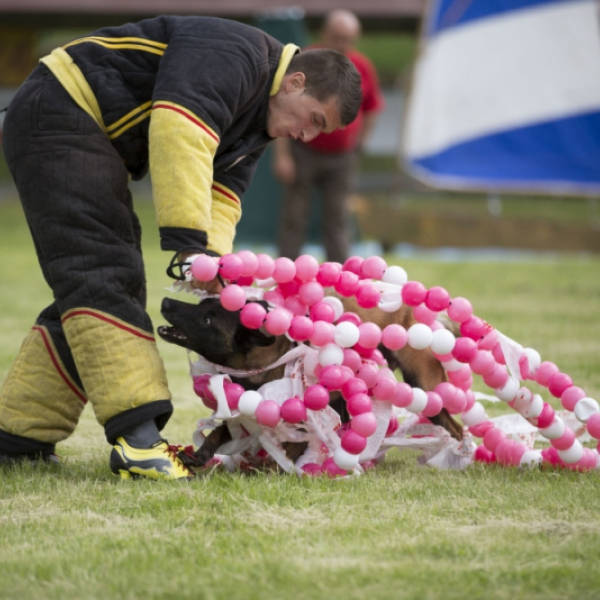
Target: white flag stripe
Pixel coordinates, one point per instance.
(461, 93)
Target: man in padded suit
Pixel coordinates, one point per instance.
(192, 100)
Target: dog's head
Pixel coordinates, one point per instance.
(218, 335)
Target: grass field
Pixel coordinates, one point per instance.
(399, 532)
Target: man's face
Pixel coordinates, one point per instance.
(295, 114)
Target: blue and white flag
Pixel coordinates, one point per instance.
(506, 96)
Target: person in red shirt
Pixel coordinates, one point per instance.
(328, 162)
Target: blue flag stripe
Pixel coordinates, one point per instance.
(447, 14)
(564, 152)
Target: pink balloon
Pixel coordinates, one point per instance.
(353, 264)
(565, 441)
(394, 336)
(483, 363)
(301, 328)
(322, 333)
(544, 372)
(413, 293)
(558, 383)
(368, 373)
(473, 328)
(364, 424)
(316, 397)
(359, 404)
(546, 417)
(249, 263)
(253, 315)
(353, 442)
(203, 392)
(459, 375)
(593, 426)
(231, 266)
(488, 341)
(322, 311)
(233, 297)
(274, 297)
(367, 295)
(285, 270)
(347, 284)
(373, 268)
(492, 438)
(460, 310)
(482, 454)
(311, 292)
(295, 306)
(233, 391)
(480, 429)
(204, 268)
(498, 354)
(434, 405)
(289, 288)
(424, 315)
(331, 377)
(293, 410)
(312, 469)
(329, 274)
(369, 335)
(392, 426)
(497, 378)
(278, 321)
(385, 388)
(352, 359)
(268, 413)
(307, 267)
(571, 396)
(353, 386)
(465, 349)
(265, 266)
(437, 299)
(403, 396)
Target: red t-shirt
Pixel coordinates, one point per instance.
(346, 138)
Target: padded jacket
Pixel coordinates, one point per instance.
(186, 98)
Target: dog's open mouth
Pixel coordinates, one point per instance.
(172, 335)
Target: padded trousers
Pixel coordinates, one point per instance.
(95, 342)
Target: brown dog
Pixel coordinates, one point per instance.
(218, 335)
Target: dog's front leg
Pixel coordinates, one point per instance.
(212, 443)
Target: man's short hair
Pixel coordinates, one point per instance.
(330, 74)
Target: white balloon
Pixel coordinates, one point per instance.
(336, 304)
(534, 408)
(443, 341)
(534, 359)
(573, 454)
(476, 414)
(452, 365)
(346, 334)
(419, 401)
(345, 460)
(390, 306)
(395, 274)
(585, 408)
(531, 458)
(249, 402)
(509, 390)
(419, 336)
(554, 430)
(331, 354)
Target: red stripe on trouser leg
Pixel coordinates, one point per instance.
(38, 399)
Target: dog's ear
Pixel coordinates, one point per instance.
(256, 337)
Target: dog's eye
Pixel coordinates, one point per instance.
(207, 320)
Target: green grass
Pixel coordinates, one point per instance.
(398, 532)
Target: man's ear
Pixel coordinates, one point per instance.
(295, 81)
